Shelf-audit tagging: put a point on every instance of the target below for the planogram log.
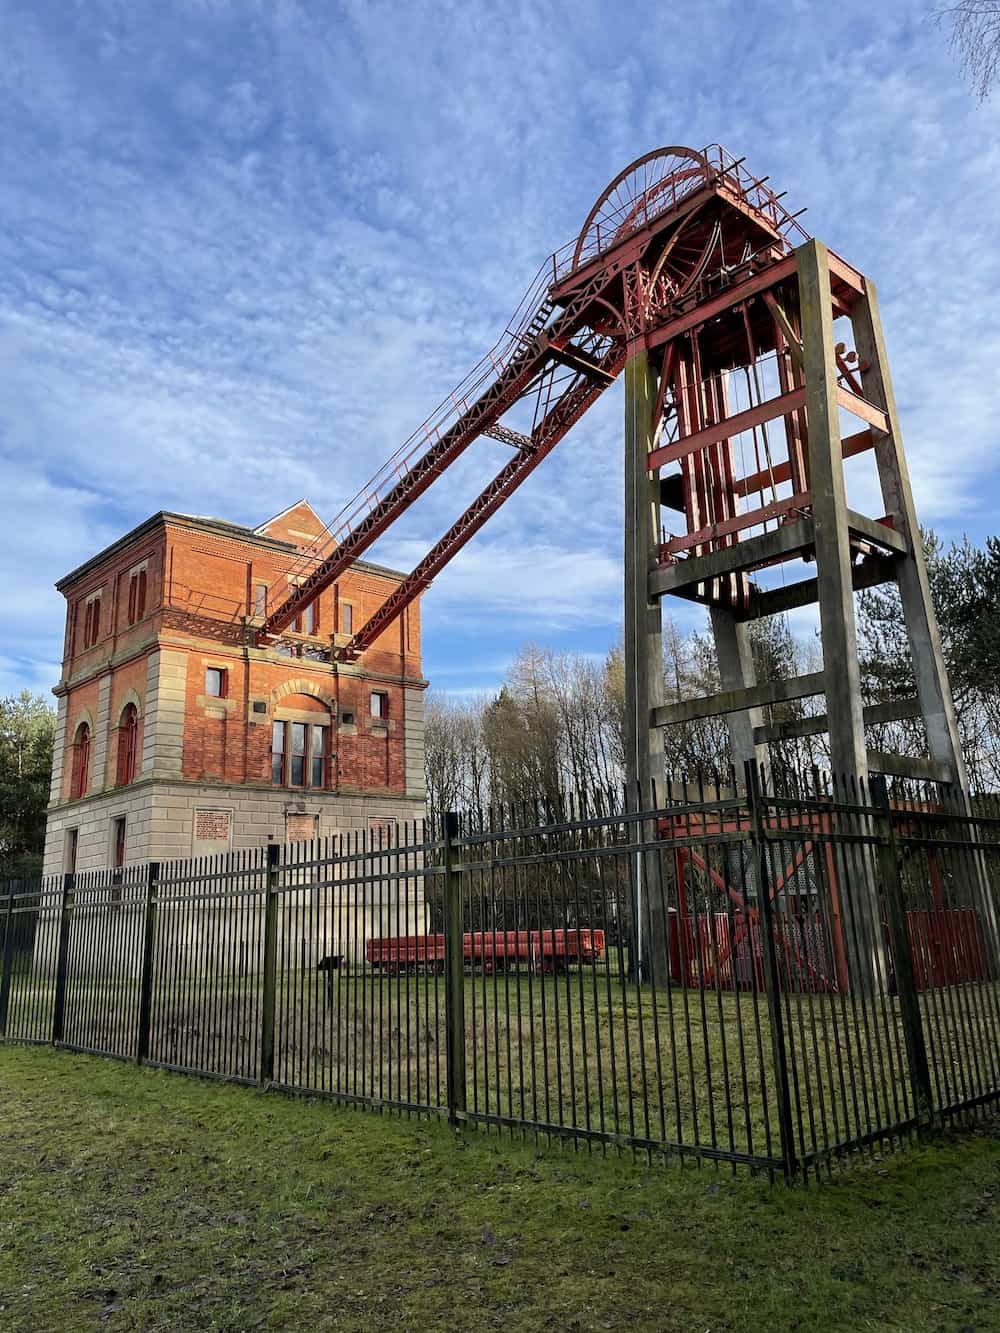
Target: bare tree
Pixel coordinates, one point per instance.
(557, 724)
(455, 755)
(975, 35)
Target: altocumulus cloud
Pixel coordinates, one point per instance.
(248, 246)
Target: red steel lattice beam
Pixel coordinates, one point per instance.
(568, 410)
(610, 295)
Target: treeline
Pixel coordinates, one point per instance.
(27, 729)
(557, 724)
(965, 586)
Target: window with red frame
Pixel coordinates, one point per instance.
(128, 731)
(136, 595)
(216, 682)
(81, 761)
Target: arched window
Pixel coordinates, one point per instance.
(128, 728)
(81, 761)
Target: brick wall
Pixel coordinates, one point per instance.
(201, 577)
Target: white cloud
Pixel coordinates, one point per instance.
(249, 246)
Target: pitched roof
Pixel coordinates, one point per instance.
(299, 524)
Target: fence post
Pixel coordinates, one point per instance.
(902, 956)
(7, 965)
(270, 965)
(62, 958)
(146, 975)
(776, 1017)
(454, 976)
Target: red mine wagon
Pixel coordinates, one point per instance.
(495, 951)
(543, 950)
(407, 953)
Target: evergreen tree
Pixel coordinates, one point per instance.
(27, 729)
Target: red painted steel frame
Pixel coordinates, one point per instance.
(946, 943)
(664, 235)
(694, 827)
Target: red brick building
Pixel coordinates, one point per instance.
(177, 735)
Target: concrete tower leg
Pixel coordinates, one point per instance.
(644, 685)
(933, 689)
(736, 671)
(841, 671)
(848, 754)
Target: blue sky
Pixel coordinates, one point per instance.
(246, 247)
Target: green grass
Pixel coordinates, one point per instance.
(578, 1050)
(132, 1199)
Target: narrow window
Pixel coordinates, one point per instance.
(81, 761)
(278, 754)
(297, 776)
(346, 618)
(317, 778)
(92, 622)
(118, 848)
(260, 599)
(72, 838)
(310, 618)
(380, 704)
(215, 682)
(136, 595)
(128, 729)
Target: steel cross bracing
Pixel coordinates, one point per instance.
(653, 243)
(570, 407)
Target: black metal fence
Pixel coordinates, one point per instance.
(769, 977)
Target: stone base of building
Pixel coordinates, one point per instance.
(167, 820)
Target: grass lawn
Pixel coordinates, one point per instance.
(136, 1199)
(581, 1049)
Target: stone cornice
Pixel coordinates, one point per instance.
(212, 526)
(170, 642)
(105, 667)
(218, 784)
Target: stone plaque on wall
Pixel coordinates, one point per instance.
(382, 832)
(212, 833)
(300, 828)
